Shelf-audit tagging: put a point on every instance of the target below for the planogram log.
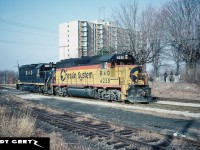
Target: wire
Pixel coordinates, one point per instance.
(26, 43)
(30, 33)
(6, 21)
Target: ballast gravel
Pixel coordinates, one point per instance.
(121, 106)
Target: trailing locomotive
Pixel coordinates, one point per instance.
(113, 77)
(35, 77)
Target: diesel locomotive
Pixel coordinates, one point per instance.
(114, 77)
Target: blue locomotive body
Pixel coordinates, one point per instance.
(35, 77)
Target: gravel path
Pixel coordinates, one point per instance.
(121, 106)
(179, 103)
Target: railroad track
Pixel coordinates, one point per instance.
(123, 138)
(116, 135)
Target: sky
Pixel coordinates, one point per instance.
(29, 28)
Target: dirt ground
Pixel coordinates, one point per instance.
(175, 90)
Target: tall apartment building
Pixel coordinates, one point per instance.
(79, 38)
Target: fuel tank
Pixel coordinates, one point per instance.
(81, 92)
(28, 88)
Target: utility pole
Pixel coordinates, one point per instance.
(5, 77)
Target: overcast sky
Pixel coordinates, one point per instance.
(29, 28)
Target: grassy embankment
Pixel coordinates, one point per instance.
(22, 124)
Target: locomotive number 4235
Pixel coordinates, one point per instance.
(105, 80)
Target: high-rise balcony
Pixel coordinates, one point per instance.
(99, 41)
(83, 47)
(99, 32)
(83, 24)
(83, 38)
(83, 33)
(99, 27)
(83, 44)
(84, 29)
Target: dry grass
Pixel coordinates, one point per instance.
(195, 130)
(57, 142)
(2, 112)
(177, 144)
(86, 117)
(176, 90)
(20, 124)
(27, 104)
(116, 127)
(149, 135)
(96, 122)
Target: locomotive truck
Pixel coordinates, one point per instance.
(113, 77)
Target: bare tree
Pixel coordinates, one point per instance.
(182, 22)
(8, 77)
(140, 35)
(150, 26)
(125, 18)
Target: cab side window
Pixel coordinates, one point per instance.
(104, 65)
(113, 64)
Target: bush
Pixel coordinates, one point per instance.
(191, 76)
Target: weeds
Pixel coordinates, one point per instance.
(22, 124)
(19, 124)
